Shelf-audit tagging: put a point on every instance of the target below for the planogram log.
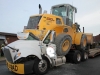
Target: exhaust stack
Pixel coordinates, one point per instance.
(40, 9)
(83, 29)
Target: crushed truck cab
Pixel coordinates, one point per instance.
(19, 53)
(29, 54)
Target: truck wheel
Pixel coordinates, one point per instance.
(84, 55)
(40, 67)
(63, 44)
(76, 57)
(83, 43)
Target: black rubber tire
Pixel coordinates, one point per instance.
(87, 48)
(91, 46)
(69, 56)
(81, 46)
(36, 68)
(85, 55)
(60, 39)
(75, 57)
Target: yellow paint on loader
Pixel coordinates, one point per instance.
(78, 38)
(49, 22)
(44, 26)
(65, 45)
(89, 38)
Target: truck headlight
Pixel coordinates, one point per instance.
(17, 55)
(51, 52)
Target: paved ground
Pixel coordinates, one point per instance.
(89, 67)
(2, 58)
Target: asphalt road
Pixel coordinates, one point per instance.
(89, 67)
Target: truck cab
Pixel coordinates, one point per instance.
(29, 54)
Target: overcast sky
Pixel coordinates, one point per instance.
(14, 14)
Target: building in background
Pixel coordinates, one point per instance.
(97, 38)
(7, 37)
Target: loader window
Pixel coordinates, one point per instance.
(33, 22)
(71, 15)
(58, 21)
(59, 11)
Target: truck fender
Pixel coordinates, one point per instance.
(78, 38)
(48, 59)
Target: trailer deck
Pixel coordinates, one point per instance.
(94, 52)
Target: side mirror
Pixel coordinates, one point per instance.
(53, 35)
(47, 41)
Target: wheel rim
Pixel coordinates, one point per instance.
(85, 55)
(65, 45)
(78, 57)
(84, 42)
(42, 65)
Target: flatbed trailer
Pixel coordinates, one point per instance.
(94, 52)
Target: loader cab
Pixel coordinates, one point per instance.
(66, 11)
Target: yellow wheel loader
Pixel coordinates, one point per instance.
(69, 39)
(47, 41)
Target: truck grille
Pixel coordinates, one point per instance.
(7, 55)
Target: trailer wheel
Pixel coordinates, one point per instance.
(77, 57)
(83, 43)
(84, 55)
(40, 67)
(63, 43)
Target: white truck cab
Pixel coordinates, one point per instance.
(29, 54)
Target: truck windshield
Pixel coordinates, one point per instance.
(33, 22)
(32, 37)
(59, 11)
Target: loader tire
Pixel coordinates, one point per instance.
(63, 44)
(83, 43)
(40, 68)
